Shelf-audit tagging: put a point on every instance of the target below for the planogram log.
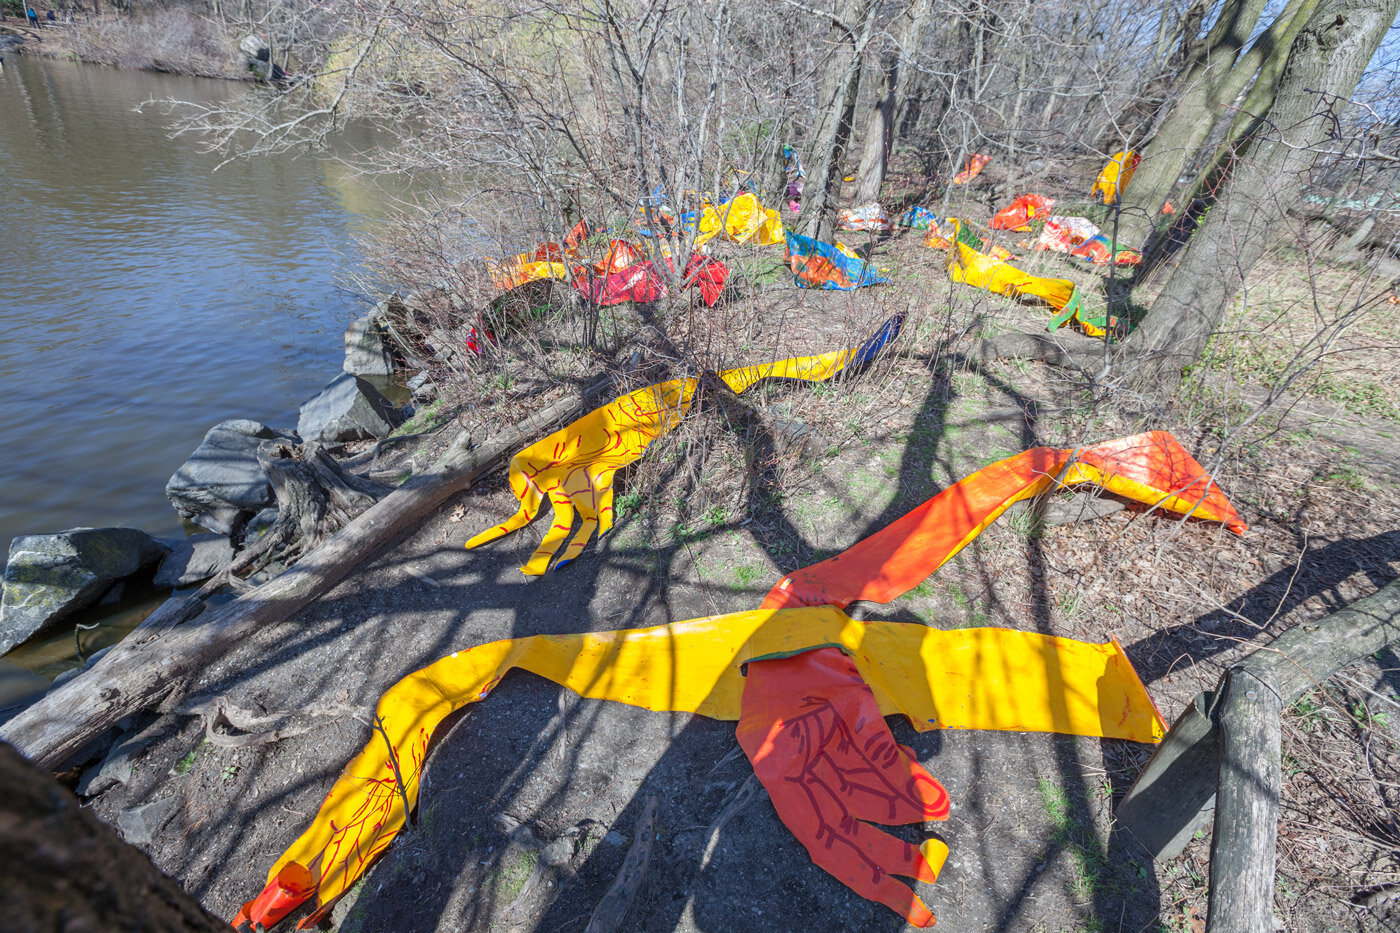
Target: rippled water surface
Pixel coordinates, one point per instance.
(145, 296)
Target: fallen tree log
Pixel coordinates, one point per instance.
(1067, 350)
(155, 661)
(1243, 848)
(1234, 734)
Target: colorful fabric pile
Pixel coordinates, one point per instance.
(1063, 234)
(867, 217)
(822, 265)
(1019, 213)
(975, 164)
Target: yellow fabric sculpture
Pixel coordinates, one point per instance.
(980, 678)
(574, 466)
(970, 267)
(1114, 176)
(741, 219)
(983, 678)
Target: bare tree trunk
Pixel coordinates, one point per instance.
(880, 131)
(65, 869)
(851, 24)
(1255, 108)
(1327, 59)
(1189, 120)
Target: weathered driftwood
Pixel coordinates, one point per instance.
(1238, 742)
(156, 661)
(65, 869)
(1243, 846)
(612, 909)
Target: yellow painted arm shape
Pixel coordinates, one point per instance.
(982, 678)
(574, 467)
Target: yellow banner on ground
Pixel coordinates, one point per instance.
(977, 678)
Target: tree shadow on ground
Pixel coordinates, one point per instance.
(536, 756)
(1266, 608)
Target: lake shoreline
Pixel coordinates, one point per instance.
(176, 42)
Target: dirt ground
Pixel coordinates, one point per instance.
(530, 798)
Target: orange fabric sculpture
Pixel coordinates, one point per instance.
(1114, 176)
(819, 683)
(1152, 468)
(546, 261)
(813, 732)
(1019, 213)
(975, 164)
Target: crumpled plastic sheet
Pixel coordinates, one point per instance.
(919, 218)
(741, 219)
(822, 265)
(1019, 213)
(574, 467)
(867, 217)
(1062, 234)
(1114, 176)
(975, 164)
(943, 232)
(1098, 250)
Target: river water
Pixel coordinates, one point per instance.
(145, 296)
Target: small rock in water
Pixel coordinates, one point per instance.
(49, 578)
(365, 353)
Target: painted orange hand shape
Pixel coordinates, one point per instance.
(814, 734)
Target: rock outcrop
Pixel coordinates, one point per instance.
(49, 578)
(365, 352)
(222, 484)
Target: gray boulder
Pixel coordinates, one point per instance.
(222, 483)
(49, 578)
(194, 560)
(347, 409)
(365, 353)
